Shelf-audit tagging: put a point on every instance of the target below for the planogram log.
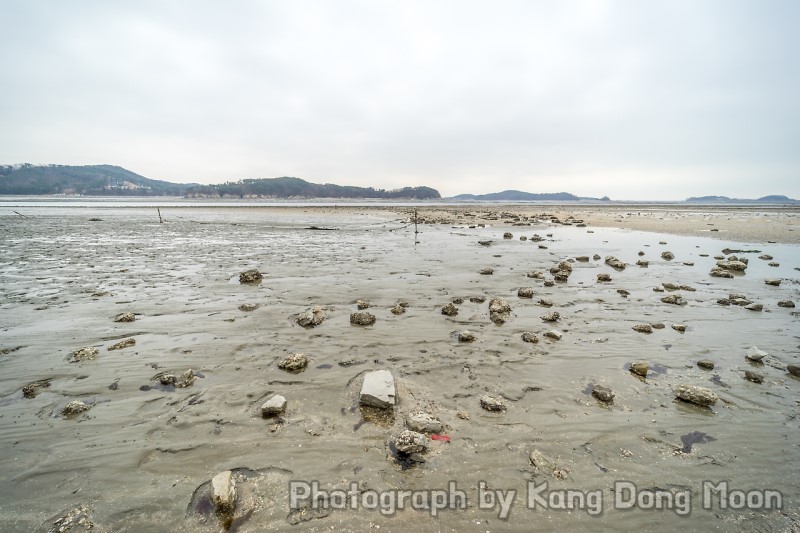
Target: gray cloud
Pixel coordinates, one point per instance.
(631, 99)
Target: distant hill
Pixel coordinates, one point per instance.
(109, 180)
(94, 180)
(774, 198)
(521, 196)
(287, 187)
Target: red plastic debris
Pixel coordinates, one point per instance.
(445, 438)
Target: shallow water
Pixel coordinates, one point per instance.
(138, 456)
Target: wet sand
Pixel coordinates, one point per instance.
(141, 457)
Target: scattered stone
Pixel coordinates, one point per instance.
(529, 336)
(485, 243)
(378, 390)
(582, 259)
(499, 310)
(362, 319)
(32, 389)
(490, 403)
(223, 492)
(456, 300)
(773, 282)
(125, 317)
(754, 307)
(603, 393)
(466, 336)
(793, 370)
(250, 276)
(276, 405)
(657, 325)
(125, 343)
(409, 442)
(706, 364)
(765, 257)
(643, 328)
(247, 308)
(613, 262)
(642, 263)
(662, 242)
(398, 309)
(296, 362)
(553, 334)
(477, 299)
(486, 271)
(545, 302)
(525, 292)
(361, 305)
(673, 299)
(78, 519)
(551, 317)
(623, 292)
(75, 407)
(697, 395)
(84, 354)
(717, 272)
(668, 256)
(640, 368)
(179, 382)
(523, 238)
(739, 266)
(535, 274)
(596, 257)
(755, 377)
(679, 327)
(773, 264)
(786, 303)
(754, 354)
(449, 310)
(311, 318)
(603, 277)
(463, 415)
(549, 283)
(422, 422)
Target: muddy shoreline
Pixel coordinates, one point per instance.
(139, 457)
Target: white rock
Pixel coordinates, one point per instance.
(274, 406)
(754, 354)
(223, 491)
(378, 389)
(423, 423)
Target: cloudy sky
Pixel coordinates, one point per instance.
(630, 99)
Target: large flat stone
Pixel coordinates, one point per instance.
(378, 389)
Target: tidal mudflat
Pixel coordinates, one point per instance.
(136, 366)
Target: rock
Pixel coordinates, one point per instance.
(724, 301)
(78, 519)
(525, 292)
(75, 407)
(545, 302)
(184, 380)
(549, 283)
(398, 309)
(523, 238)
(84, 354)
(311, 318)
(499, 310)
(643, 328)
(276, 405)
(657, 325)
(409, 442)
(732, 265)
(32, 389)
(603, 393)
(486, 271)
(765, 257)
(773, 264)
(535, 274)
(422, 422)
(296, 362)
(706, 364)
(643, 263)
(640, 368)
(662, 242)
(755, 377)
(717, 272)
(485, 243)
(582, 259)
(362, 319)
(786, 303)
(754, 354)
(561, 276)
(490, 403)
(754, 307)
(596, 257)
(773, 282)
(449, 310)
(465, 336)
(477, 299)
(247, 308)
(223, 492)
(125, 317)
(623, 292)
(697, 395)
(613, 262)
(507, 235)
(793, 370)
(529, 336)
(378, 390)
(673, 299)
(553, 334)
(361, 305)
(668, 256)
(250, 276)
(679, 327)
(551, 317)
(457, 301)
(603, 277)
(641, 253)
(125, 343)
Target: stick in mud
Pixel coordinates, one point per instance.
(160, 220)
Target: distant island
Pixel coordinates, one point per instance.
(771, 199)
(521, 196)
(110, 180)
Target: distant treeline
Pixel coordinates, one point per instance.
(295, 187)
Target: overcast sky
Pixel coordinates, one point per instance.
(630, 99)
